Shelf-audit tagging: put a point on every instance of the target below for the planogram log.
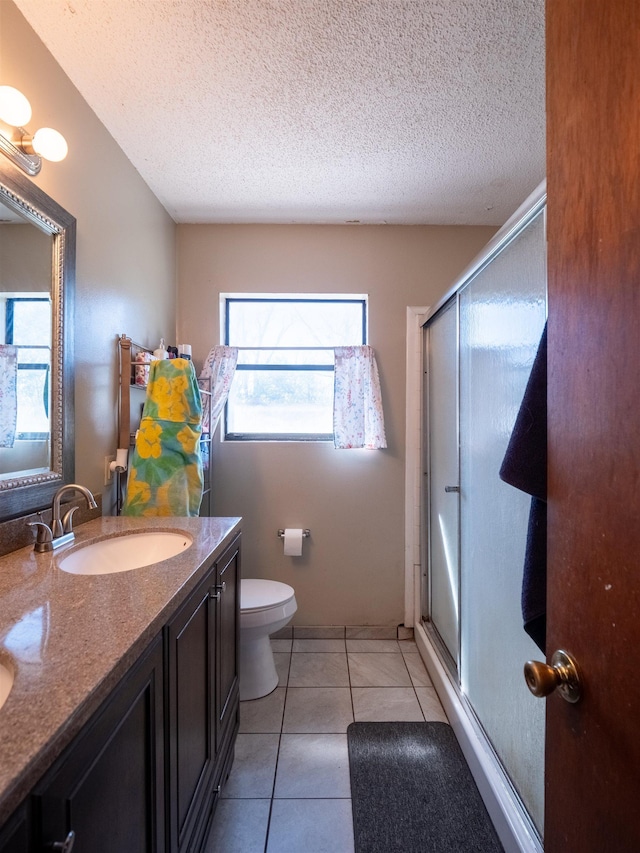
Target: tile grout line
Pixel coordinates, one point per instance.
(353, 714)
(353, 707)
(415, 692)
(275, 772)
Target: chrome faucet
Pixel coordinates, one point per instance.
(61, 530)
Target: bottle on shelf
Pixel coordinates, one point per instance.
(161, 352)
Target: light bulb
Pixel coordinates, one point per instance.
(50, 144)
(15, 109)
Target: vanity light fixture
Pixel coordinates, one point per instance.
(22, 148)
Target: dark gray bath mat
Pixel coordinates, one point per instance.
(412, 792)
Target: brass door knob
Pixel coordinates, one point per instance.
(562, 675)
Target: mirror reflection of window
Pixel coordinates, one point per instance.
(28, 328)
(37, 265)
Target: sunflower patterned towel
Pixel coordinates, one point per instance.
(165, 476)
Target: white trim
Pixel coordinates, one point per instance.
(412, 477)
(509, 817)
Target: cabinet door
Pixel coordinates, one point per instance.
(227, 688)
(108, 788)
(14, 837)
(191, 662)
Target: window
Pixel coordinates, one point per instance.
(283, 387)
(28, 327)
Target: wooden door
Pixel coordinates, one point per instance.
(593, 97)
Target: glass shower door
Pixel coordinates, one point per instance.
(479, 350)
(502, 314)
(442, 606)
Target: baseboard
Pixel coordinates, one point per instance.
(512, 823)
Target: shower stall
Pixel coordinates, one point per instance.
(479, 344)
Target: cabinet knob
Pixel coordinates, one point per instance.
(65, 846)
(219, 588)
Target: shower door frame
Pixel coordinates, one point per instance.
(509, 816)
(426, 596)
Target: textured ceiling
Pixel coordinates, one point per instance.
(398, 111)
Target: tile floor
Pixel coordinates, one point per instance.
(289, 787)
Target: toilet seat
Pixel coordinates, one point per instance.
(257, 595)
(264, 603)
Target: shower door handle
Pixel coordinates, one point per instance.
(563, 675)
(452, 488)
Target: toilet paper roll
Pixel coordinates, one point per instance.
(292, 541)
(121, 460)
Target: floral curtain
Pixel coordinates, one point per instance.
(8, 394)
(220, 367)
(357, 403)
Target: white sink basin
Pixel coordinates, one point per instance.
(6, 683)
(126, 552)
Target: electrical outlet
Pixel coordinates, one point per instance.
(108, 473)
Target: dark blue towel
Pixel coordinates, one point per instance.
(525, 467)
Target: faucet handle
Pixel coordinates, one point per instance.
(67, 520)
(44, 536)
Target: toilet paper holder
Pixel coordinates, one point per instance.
(305, 533)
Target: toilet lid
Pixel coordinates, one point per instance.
(258, 594)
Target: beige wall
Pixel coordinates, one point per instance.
(125, 239)
(351, 571)
(25, 259)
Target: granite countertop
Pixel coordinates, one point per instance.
(70, 638)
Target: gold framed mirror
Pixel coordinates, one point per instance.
(37, 282)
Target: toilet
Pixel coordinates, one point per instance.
(265, 607)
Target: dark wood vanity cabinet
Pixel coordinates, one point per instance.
(190, 641)
(109, 786)
(201, 643)
(228, 645)
(14, 835)
(144, 774)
